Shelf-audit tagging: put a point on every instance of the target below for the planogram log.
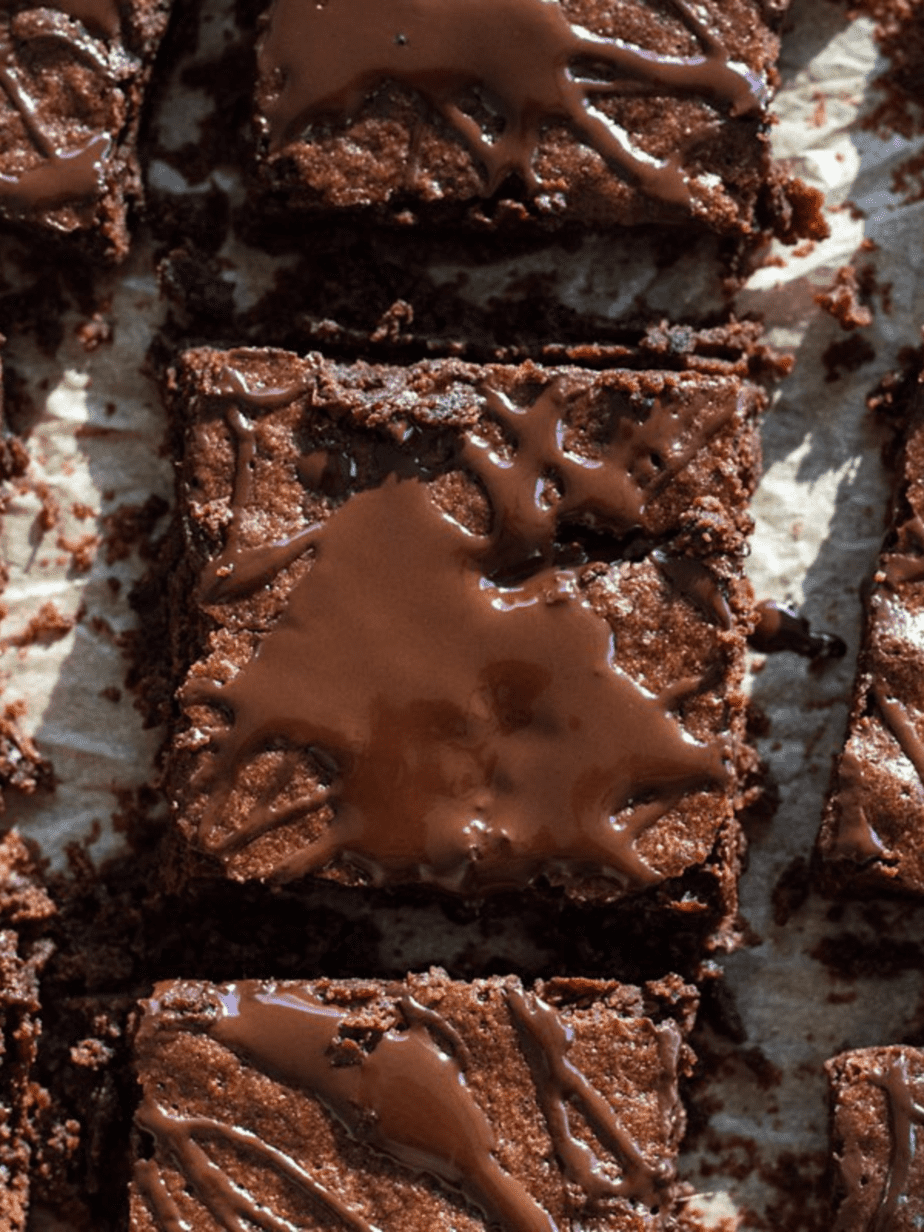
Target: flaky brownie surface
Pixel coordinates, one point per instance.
(500, 111)
(74, 74)
(870, 838)
(468, 626)
(421, 1104)
(877, 1116)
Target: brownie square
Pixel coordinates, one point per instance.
(74, 74)
(25, 910)
(877, 1114)
(870, 837)
(421, 1104)
(471, 626)
(600, 112)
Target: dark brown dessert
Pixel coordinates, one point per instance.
(878, 1112)
(467, 626)
(870, 835)
(24, 911)
(505, 110)
(420, 1104)
(73, 77)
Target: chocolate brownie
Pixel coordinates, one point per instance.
(25, 910)
(870, 838)
(421, 1104)
(471, 626)
(602, 113)
(74, 74)
(877, 1114)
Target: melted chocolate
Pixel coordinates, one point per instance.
(856, 838)
(405, 1096)
(780, 627)
(518, 54)
(560, 1085)
(228, 1203)
(904, 1113)
(468, 734)
(63, 175)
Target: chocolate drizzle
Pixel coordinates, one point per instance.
(904, 1114)
(403, 1094)
(546, 1040)
(179, 1139)
(465, 733)
(519, 56)
(63, 175)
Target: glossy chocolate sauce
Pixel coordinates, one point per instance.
(468, 734)
(519, 55)
(781, 628)
(63, 175)
(404, 1095)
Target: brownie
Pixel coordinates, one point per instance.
(421, 1104)
(599, 112)
(25, 910)
(74, 75)
(877, 1112)
(870, 837)
(470, 626)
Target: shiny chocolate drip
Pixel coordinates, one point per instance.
(406, 1096)
(63, 175)
(560, 1085)
(469, 734)
(520, 53)
(179, 1139)
(780, 628)
(855, 837)
(904, 1113)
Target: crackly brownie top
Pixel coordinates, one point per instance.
(447, 661)
(417, 1093)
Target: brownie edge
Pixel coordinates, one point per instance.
(869, 841)
(421, 1104)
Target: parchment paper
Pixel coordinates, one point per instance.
(95, 441)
